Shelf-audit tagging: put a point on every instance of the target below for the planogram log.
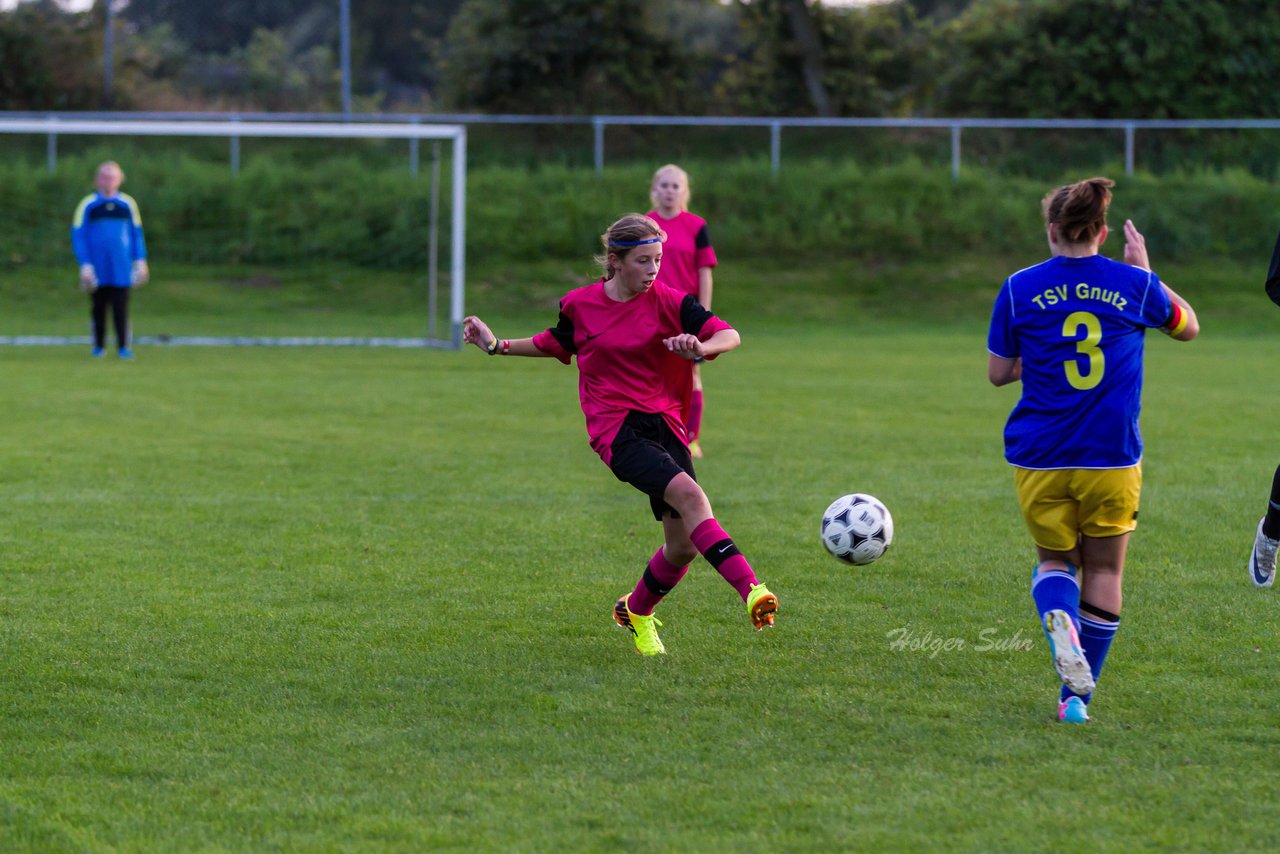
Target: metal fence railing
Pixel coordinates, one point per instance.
(600, 124)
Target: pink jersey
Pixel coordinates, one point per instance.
(622, 363)
(687, 250)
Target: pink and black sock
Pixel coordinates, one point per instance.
(719, 550)
(693, 427)
(659, 577)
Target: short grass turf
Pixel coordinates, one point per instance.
(323, 599)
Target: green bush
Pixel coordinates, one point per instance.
(367, 212)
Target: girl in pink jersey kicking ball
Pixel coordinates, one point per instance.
(634, 338)
(689, 260)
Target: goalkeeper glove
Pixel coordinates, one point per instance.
(88, 278)
(140, 274)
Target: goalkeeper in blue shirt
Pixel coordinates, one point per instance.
(1072, 330)
(106, 234)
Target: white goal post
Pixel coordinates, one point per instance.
(233, 130)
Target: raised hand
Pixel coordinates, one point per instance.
(1135, 246)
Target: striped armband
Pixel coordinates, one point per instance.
(506, 346)
(1177, 320)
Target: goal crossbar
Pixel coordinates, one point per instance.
(233, 129)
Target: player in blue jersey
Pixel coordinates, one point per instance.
(1072, 330)
(1266, 542)
(106, 235)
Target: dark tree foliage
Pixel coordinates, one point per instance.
(1114, 59)
(1015, 58)
(401, 39)
(803, 31)
(209, 27)
(938, 10)
(878, 62)
(873, 61)
(49, 59)
(567, 56)
(392, 40)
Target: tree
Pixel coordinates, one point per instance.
(1114, 59)
(228, 24)
(878, 62)
(402, 40)
(566, 56)
(278, 76)
(852, 62)
(392, 41)
(938, 9)
(805, 32)
(49, 59)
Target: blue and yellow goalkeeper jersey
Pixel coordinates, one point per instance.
(1078, 324)
(107, 233)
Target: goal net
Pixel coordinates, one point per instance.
(258, 232)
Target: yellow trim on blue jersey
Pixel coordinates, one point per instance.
(133, 207)
(77, 218)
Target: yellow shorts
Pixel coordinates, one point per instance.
(1060, 504)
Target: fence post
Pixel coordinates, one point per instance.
(413, 152)
(108, 62)
(235, 151)
(1128, 149)
(955, 152)
(433, 240)
(458, 252)
(597, 127)
(344, 54)
(51, 152)
(775, 146)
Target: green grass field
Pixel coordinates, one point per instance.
(259, 600)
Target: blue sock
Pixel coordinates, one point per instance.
(1057, 590)
(1095, 639)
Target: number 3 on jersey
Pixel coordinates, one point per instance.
(1086, 346)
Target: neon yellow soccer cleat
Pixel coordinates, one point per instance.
(643, 628)
(761, 606)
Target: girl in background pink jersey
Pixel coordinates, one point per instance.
(687, 263)
(634, 338)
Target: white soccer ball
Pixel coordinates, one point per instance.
(857, 528)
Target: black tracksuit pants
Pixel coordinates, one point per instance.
(116, 298)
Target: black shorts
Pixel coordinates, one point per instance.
(648, 455)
